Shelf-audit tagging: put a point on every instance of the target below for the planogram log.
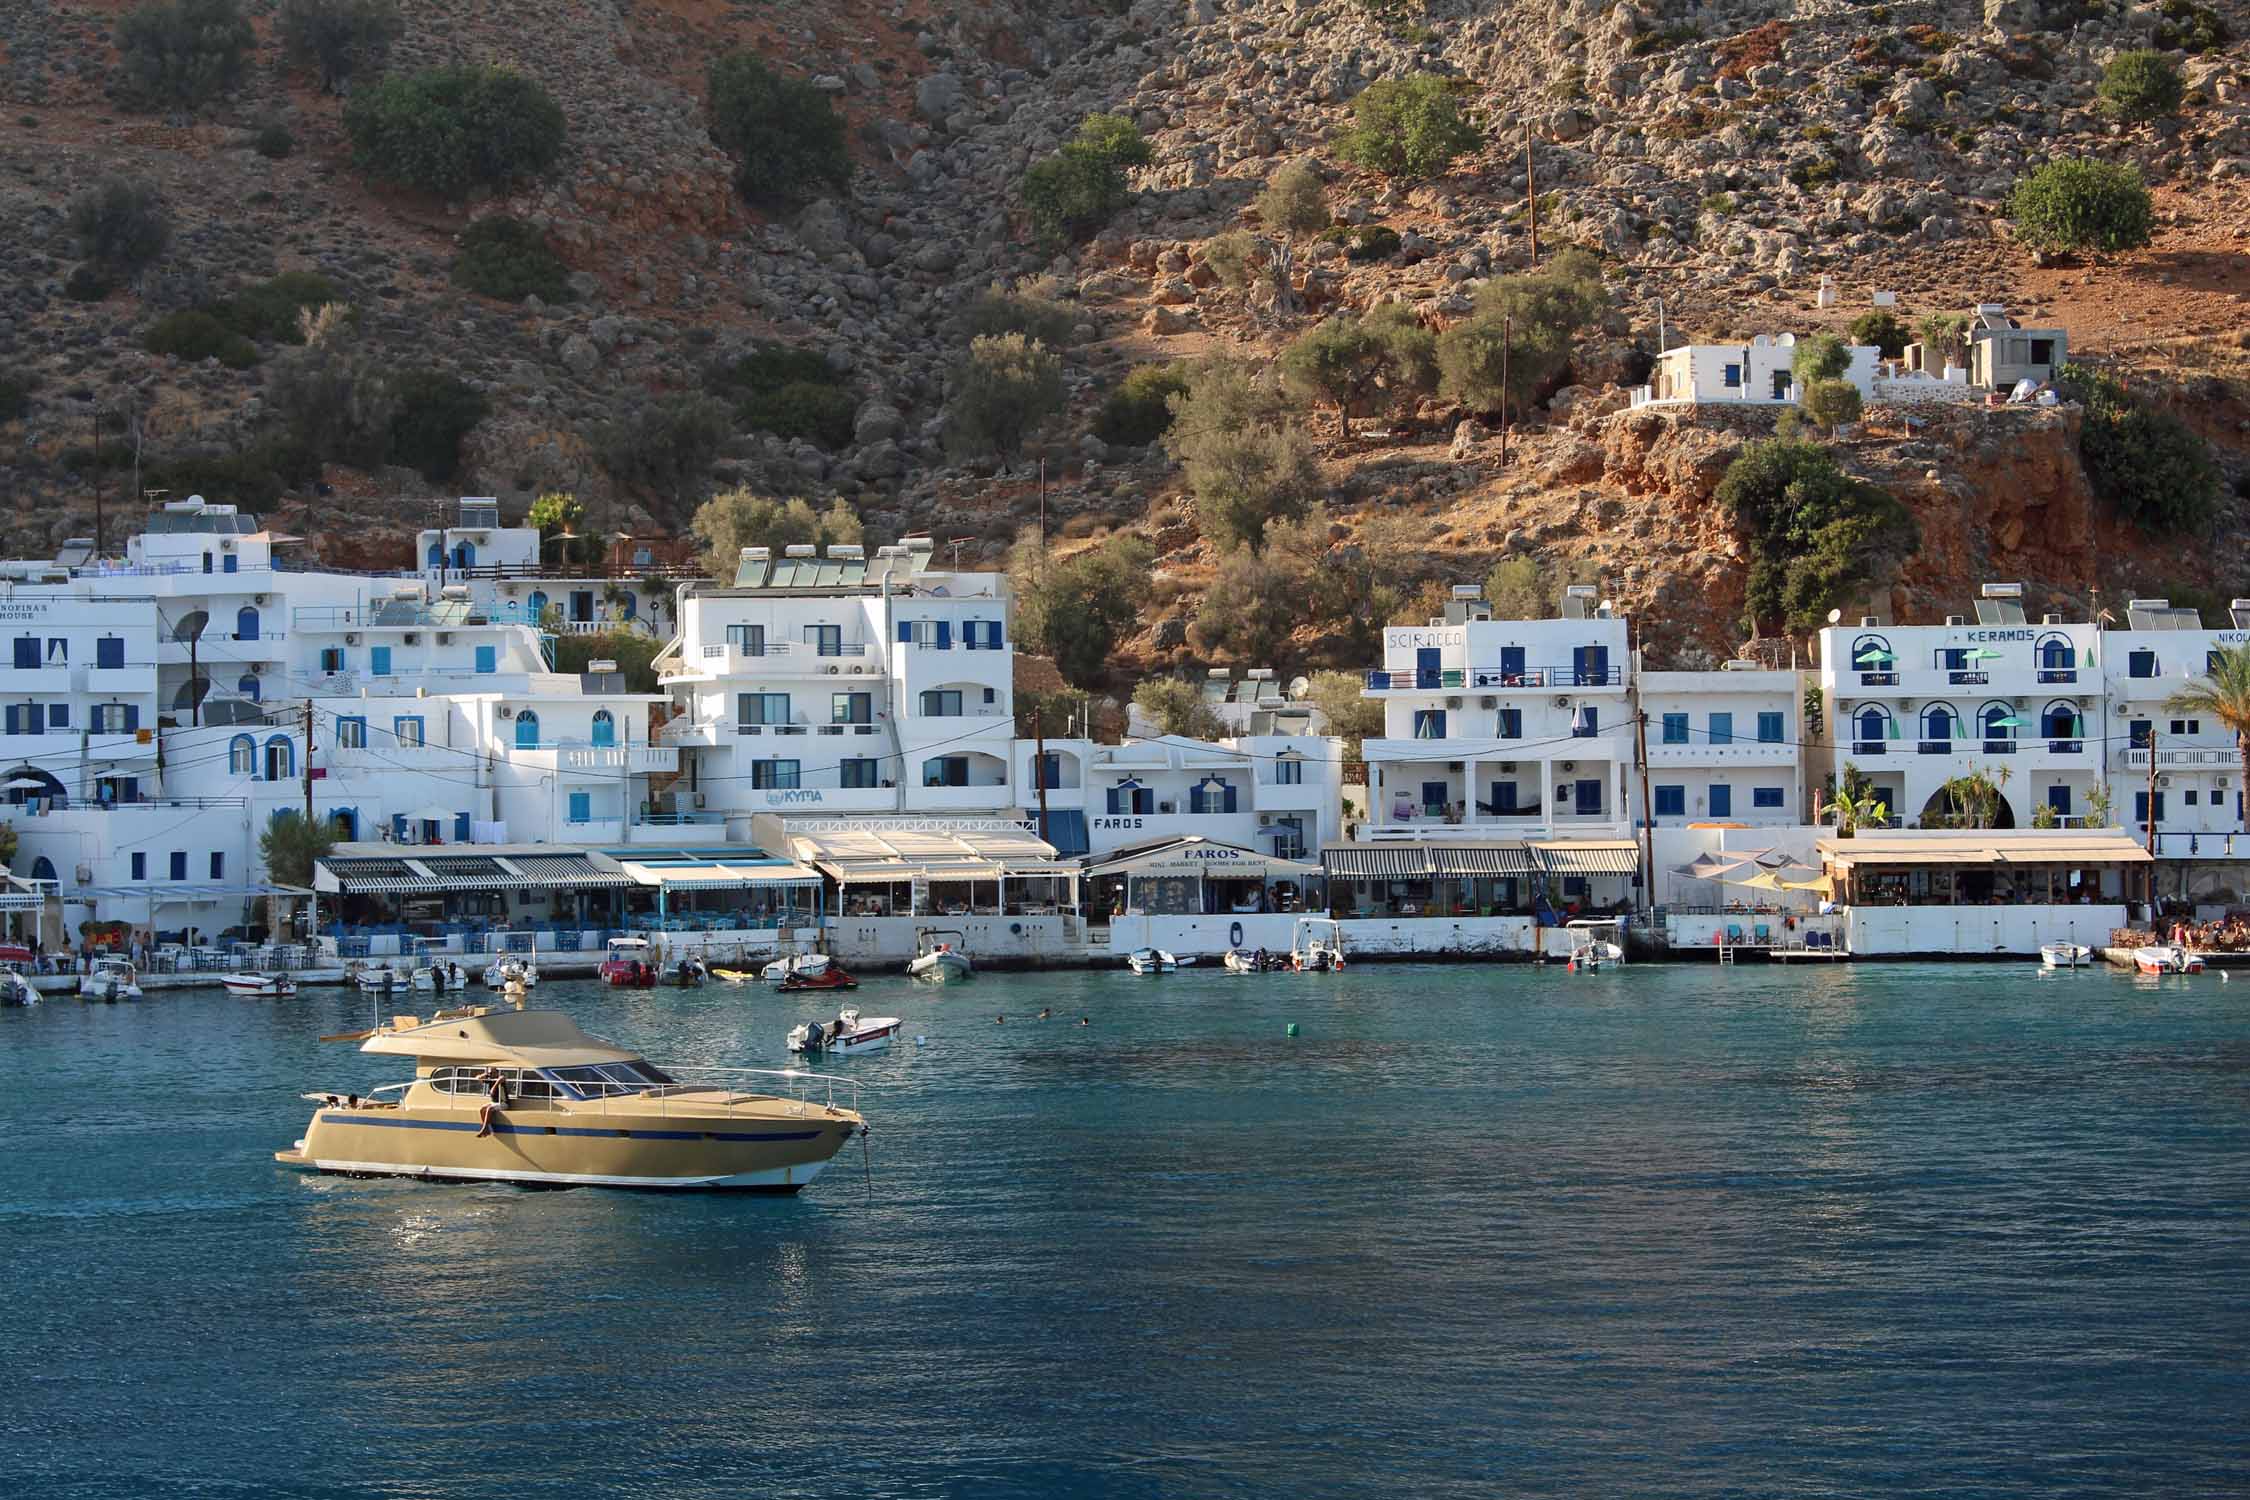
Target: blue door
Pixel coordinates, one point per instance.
(581, 807)
(2058, 798)
(1426, 667)
(1588, 800)
(1722, 801)
(1511, 664)
(538, 605)
(1433, 796)
(1503, 797)
(605, 728)
(488, 658)
(246, 624)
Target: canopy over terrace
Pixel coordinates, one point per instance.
(383, 889)
(909, 866)
(1194, 876)
(122, 903)
(1548, 879)
(1977, 867)
(724, 888)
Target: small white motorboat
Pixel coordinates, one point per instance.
(16, 991)
(2065, 955)
(1317, 946)
(507, 967)
(939, 959)
(2167, 958)
(848, 1033)
(267, 986)
(377, 979)
(441, 979)
(801, 964)
(1249, 961)
(1151, 961)
(110, 979)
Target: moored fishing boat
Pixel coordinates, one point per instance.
(525, 1096)
(2065, 955)
(939, 959)
(630, 964)
(15, 990)
(507, 967)
(267, 986)
(847, 1034)
(110, 979)
(1151, 961)
(2167, 958)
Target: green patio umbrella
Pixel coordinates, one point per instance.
(1873, 654)
(1984, 653)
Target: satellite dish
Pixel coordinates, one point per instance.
(1835, 616)
(1299, 686)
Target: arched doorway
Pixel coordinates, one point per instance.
(248, 686)
(605, 727)
(246, 624)
(281, 758)
(1968, 802)
(527, 730)
(48, 789)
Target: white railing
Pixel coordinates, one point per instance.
(676, 1097)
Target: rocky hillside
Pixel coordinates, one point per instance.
(1721, 158)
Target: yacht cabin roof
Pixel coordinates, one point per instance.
(527, 1038)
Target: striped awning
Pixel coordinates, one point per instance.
(567, 872)
(436, 874)
(719, 874)
(1589, 857)
(1376, 862)
(1488, 860)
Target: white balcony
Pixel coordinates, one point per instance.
(632, 760)
(958, 798)
(776, 660)
(810, 799)
(2136, 759)
(1736, 753)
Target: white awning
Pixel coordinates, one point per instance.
(1201, 857)
(717, 874)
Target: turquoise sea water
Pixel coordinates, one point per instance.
(1961, 1231)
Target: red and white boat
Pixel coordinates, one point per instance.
(630, 964)
(827, 974)
(2167, 958)
(847, 1034)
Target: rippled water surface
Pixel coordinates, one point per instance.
(1950, 1231)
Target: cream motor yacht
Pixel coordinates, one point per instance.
(525, 1096)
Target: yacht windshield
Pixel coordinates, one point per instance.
(600, 1080)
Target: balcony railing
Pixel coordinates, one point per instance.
(1935, 747)
(1999, 747)
(2066, 747)
(1482, 679)
(1878, 679)
(2058, 674)
(1962, 677)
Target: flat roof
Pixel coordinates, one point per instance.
(1981, 846)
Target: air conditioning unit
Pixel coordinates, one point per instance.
(832, 671)
(505, 712)
(351, 640)
(1265, 820)
(1568, 765)
(860, 668)
(1164, 807)
(85, 874)
(1507, 768)
(256, 670)
(1453, 765)
(258, 599)
(1452, 703)
(1562, 700)
(444, 638)
(1488, 703)
(2163, 781)
(411, 638)
(699, 801)
(2221, 782)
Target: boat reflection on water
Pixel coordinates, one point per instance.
(526, 1097)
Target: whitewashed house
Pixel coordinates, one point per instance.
(2195, 801)
(1277, 794)
(1723, 747)
(1755, 373)
(511, 575)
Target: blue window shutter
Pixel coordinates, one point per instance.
(179, 864)
(1230, 807)
(379, 660)
(140, 866)
(461, 828)
(58, 716)
(906, 632)
(995, 635)
(581, 807)
(1113, 800)
(109, 651)
(945, 635)
(132, 717)
(1722, 801)
(15, 718)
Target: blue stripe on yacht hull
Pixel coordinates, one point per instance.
(503, 1127)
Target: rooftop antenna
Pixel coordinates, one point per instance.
(956, 543)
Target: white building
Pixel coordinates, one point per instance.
(1723, 747)
(844, 685)
(1515, 728)
(1914, 707)
(513, 575)
(1277, 794)
(1757, 373)
(2197, 796)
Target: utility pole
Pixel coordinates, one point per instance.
(2152, 824)
(308, 762)
(99, 529)
(1531, 193)
(1042, 539)
(1039, 769)
(194, 678)
(1507, 338)
(1648, 818)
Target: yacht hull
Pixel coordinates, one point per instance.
(568, 1149)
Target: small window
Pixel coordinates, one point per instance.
(1769, 729)
(1289, 771)
(2188, 798)
(1511, 723)
(27, 653)
(1722, 801)
(351, 734)
(218, 865)
(407, 730)
(1722, 729)
(178, 865)
(750, 640)
(1671, 801)
(332, 658)
(1733, 377)
(109, 652)
(2140, 664)
(2187, 726)
(941, 704)
(140, 866)
(1767, 796)
(1429, 723)
(379, 660)
(859, 773)
(1675, 729)
(773, 775)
